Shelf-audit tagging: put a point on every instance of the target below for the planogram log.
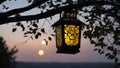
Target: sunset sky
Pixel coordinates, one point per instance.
(29, 51)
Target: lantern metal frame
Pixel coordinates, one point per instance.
(60, 35)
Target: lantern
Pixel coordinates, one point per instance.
(68, 33)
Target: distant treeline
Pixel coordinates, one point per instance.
(63, 65)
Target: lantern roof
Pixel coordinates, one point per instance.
(68, 17)
(62, 21)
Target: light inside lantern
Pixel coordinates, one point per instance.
(59, 35)
(71, 34)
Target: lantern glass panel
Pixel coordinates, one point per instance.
(71, 34)
(58, 35)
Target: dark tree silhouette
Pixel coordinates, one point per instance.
(101, 25)
(7, 57)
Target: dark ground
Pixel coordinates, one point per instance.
(63, 65)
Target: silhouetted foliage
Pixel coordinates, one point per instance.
(7, 57)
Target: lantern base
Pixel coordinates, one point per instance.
(68, 51)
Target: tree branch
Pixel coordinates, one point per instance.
(52, 12)
(1, 1)
(19, 10)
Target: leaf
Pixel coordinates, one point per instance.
(22, 26)
(93, 42)
(49, 38)
(46, 41)
(14, 29)
(35, 25)
(52, 34)
(86, 17)
(115, 52)
(95, 49)
(51, 17)
(98, 44)
(7, 8)
(43, 6)
(104, 45)
(37, 21)
(99, 50)
(25, 36)
(111, 57)
(116, 59)
(117, 42)
(18, 24)
(28, 32)
(107, 54)
(29, 1)
(110, 48)
(37, 35)
(102, 52)
(101, 39)
(31, 37)
(53, 28)
(43, 30)
(4, 6)
(35, 30)
(30, 29)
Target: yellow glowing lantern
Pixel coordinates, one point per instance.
(68, 33)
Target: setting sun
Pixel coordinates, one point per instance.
(41, 52)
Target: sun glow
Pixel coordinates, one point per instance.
(41, 53)
(43, 42)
